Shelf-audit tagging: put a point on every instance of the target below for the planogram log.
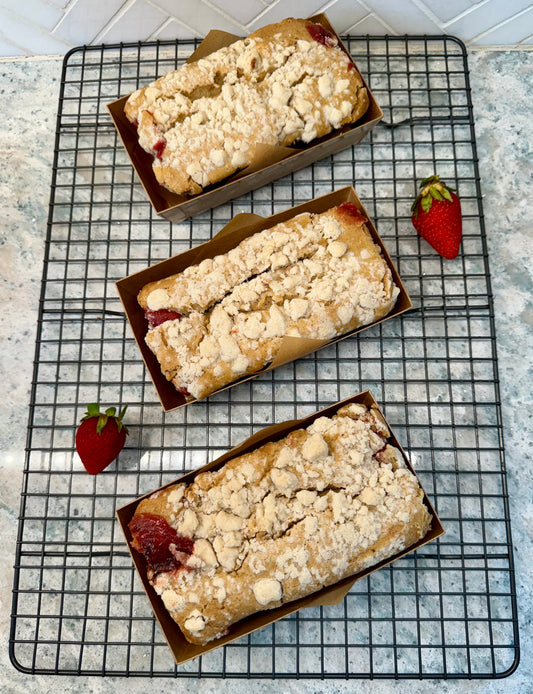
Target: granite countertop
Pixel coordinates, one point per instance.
(501, 91)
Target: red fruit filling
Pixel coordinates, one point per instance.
(321, 35)
(163, 548)
(380, 455)
(155, 318)
(351, 209)
(183, 391)
(159, 148)
(351, 66)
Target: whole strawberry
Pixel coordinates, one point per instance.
(437, 217)
(100, 437)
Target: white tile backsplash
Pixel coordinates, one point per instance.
(505, 34)
(287, 8)
(174, 30)
(45, 15)
(446, 11)
(244, 12)
(43, 27)
(60, 3)
(370, 25)
(85, 19)
(405, 17)
(9, 49)
(125, 25)
(486, 15)
(25, 36)
(343, 14)
(200, 15)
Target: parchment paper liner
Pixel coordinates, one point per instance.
(272, 162)
(240, 227)
(181, 649)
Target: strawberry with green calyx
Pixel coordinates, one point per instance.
(100, 437)
(437, 217)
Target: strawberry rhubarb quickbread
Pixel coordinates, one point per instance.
(284, 83)
(280, 522)
(314, 276)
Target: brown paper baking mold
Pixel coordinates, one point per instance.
(272, 162)
(240, 227)
(181, 649)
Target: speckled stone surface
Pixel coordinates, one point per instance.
(501, 91)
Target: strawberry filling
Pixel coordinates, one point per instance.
(161, 545)
(381, 455)
(183, 391)
(321, 35)
(155, 318)
(350, 208)
(159, 148)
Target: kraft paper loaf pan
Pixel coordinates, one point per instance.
(181, 649)
(273, 163)
(240, 227)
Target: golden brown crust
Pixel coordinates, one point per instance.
(313, 277)
(203, 122)
(286, 519)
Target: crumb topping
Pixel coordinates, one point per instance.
(314, 276)
(267, 590)
(204, 120)
(314, 508)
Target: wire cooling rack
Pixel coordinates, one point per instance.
(446, 611)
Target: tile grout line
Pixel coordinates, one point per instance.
(167, 22)
(373, 14)
(465, 13)
(66, 11)
(215, 8)
(112, 21)
(262, 13)
(503, 23)
(428, 12)
(225, 12)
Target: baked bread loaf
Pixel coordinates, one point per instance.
(314, 276)
(280, 522)
(284, 83)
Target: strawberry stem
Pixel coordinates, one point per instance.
(432, 188)
(93, 410)
(120, 423)
(102, 421)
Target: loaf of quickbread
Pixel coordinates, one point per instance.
(284, 83)
(280, 522)
(314, 276)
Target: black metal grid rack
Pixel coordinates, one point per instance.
(447, 610)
